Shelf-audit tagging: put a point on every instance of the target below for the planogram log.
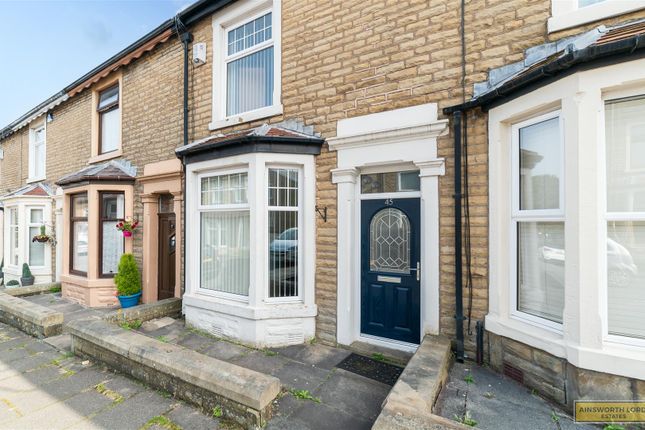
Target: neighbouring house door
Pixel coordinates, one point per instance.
(167, 241)
(390, 270)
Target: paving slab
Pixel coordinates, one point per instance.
(496, 402)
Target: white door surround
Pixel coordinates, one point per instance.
(396, 140)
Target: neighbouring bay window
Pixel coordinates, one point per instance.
(112, 242)
(79, 234)
(13, 236)
(538, 219)
(109, 122)
(625, 177)
(36, 249)
(283, 220)
(37, 153)
(224, 233)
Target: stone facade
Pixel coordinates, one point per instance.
(555, 378)
(340, 59)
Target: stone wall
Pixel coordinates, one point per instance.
(554, 377)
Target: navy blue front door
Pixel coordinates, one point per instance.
(390, 287)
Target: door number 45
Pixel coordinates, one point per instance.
(389, 202)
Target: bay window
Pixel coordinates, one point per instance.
(625, 178)
(36, 249)
(79, 234)
(538, 219)
(225, 225)
(112, 242)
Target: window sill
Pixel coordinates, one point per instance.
(246, 117)
(244, 310)
(592, 13)
(105, 157)
(36, 179)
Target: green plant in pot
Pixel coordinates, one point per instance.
(27, 278)
(13, 284)
(128, 281)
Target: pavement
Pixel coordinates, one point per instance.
(496, 402)
(42, 387)
(316, 395)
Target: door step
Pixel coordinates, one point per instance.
(373, 368)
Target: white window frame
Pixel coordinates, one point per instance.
(268, 208)
(237, 207)
(614, 216)
(233, 17)
(568, 13)
(29, 237)
(535, 215)
(33, 177)
(14, 236)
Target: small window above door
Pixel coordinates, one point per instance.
(390, 182)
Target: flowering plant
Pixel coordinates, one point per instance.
(127, 226)
(43, 237)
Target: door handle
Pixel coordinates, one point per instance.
(418, 270)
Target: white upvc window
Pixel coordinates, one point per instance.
(284, 221)
(537, 220)
(14, 235)
(224, 226)
(625, 215)
(37, 153)
(572, 13)
(36, 219)
(247, 63)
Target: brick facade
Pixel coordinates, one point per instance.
(340, 59)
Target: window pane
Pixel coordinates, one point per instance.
(625, 142)
(283, 253)
(79, 203)
(36, 249)
(39, 134)
(225, 252)
(112, 250)
(626, 277)
(249, 34)
(390, 242)
(13, 236)
(225, 189)
(39, 159)
(283, 187)
(113, 206)
(540, 269)
(583, 3)
(390, 182)
(540, 165)
(36, 216)
(110, 131)
(109, 96)
(80, 245)
(250, 82)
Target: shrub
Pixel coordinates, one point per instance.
(26, 272)
(128, 279)
(12, 283)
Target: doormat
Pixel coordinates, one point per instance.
(370, 368)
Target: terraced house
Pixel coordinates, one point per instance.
(293, 168)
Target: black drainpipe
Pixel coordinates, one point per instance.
(459, 304)
(186, 38)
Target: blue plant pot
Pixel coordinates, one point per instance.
(129, 301)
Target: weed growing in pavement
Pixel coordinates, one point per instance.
(304, 395)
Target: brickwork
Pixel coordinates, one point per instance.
(554, 377)
(340, 59)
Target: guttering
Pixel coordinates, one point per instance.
(571, 61)
(34, 113)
